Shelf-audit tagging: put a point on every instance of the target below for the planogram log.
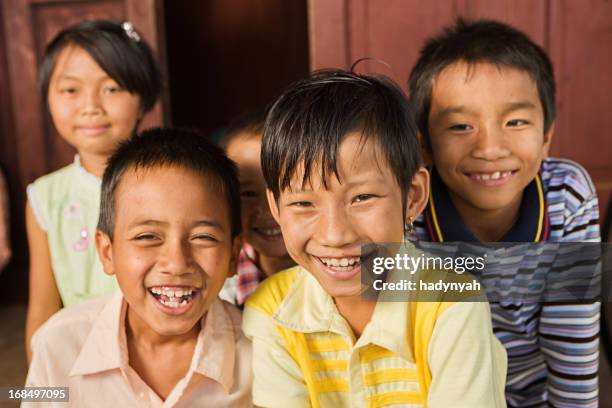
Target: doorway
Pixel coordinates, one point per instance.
(228, 57)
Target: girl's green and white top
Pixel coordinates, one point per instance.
(66, 206)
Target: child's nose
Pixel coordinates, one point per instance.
(335, 228)
(490, 144)
(176, 258)
(91, 102)
(262, 208)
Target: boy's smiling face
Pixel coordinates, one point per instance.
(324, 228)
(486, 127)
(171, 248)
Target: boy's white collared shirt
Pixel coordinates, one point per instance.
(85, 349)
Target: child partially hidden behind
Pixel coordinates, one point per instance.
(263, 251)
(342, 166)
(169, 230)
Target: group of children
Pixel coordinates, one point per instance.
(335, 164)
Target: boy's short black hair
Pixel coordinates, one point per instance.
(123, 55)
(309, 121)
(248, 123)
(480, 41)
(162, 147)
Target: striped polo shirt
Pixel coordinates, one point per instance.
(552, 348)
(410, 354)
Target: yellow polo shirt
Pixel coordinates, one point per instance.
(411, 354)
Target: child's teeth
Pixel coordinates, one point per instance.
(492, 176)
(340, 262)
(173, 304)
(173, 294)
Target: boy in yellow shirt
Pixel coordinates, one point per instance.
(343, 169)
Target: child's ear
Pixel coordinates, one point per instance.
(273, 205)
(236, 247)
(104, 245)
(548, 139)
(418, 194)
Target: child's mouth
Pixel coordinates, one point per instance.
(174, 299)
(342, 268)
(94, 130)
(269, 233)
(492, 179)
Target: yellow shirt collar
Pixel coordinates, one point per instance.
(307, 308)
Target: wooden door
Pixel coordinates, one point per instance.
(576, 34)
(30, 144)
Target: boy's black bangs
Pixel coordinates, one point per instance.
(324, 155)
(301, 157)
(319, 121)
(169, 147)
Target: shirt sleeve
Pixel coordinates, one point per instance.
(569, 340)
(38, 375)
(569, 333)
(36, 197)
(40, 372)
(467, 362)
(277, 380)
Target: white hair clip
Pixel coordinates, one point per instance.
(130, 32)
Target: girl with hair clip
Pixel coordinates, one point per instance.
(97, 79)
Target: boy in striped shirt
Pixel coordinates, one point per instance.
(343, 169)
(484, 97)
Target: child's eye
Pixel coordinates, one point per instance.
(301, 204)
(248, 194)
(146, 237)
(112, 89)
(363, 197)
(460, 127)
(517, 122)
(68, 91)
(205, 238)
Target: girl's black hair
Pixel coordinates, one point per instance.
(121, 53)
